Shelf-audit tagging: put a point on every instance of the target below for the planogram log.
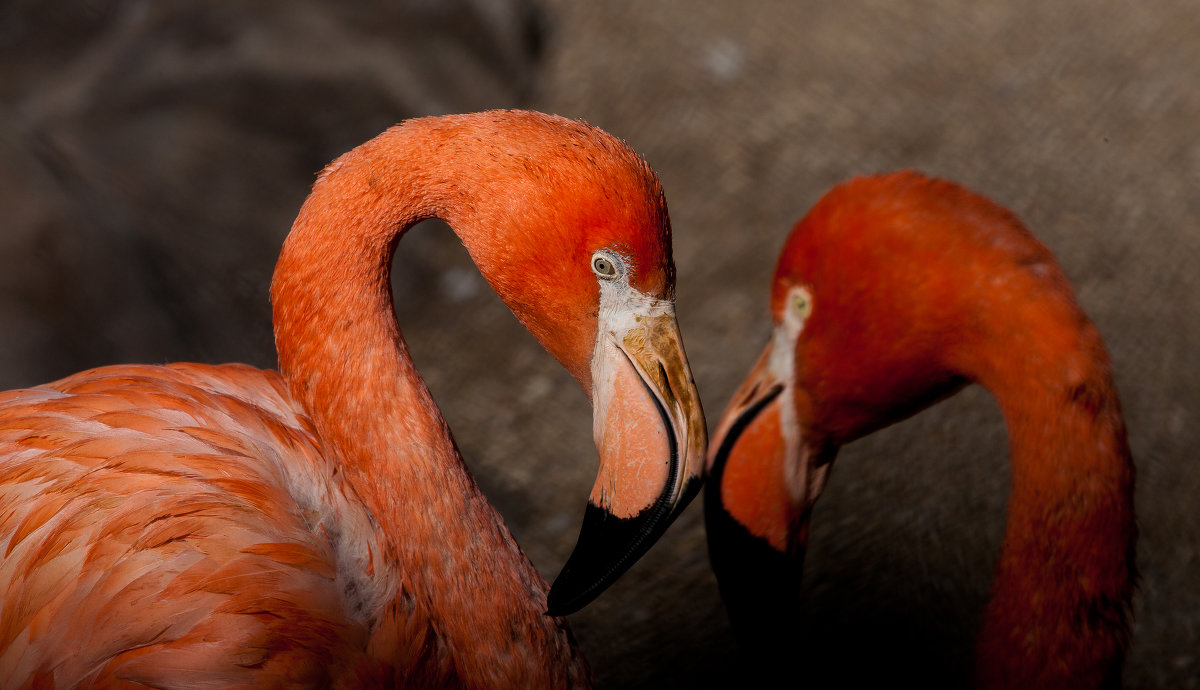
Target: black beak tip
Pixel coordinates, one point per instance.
(608, 545)
(555, 606)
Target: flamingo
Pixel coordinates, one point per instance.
(188, 526)
(893, 293)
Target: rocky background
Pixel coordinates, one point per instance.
(153, 155)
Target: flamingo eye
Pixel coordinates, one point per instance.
(604, 266)
(801, 303)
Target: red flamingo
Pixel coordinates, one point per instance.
(190, 526)
(891, 294)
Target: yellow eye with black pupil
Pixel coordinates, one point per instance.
(801, 304)
(604, 267)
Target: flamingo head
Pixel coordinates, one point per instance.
(574, 236)
(879, 302)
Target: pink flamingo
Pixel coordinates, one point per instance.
(190, 526)
(890, 295)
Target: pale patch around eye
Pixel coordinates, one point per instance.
(622, 305)
(803, 481)
(799, 308)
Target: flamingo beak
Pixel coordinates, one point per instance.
(763, 479)
(649, 429)
(763, 471)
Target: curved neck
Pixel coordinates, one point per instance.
(1059, 613)
(460, 588)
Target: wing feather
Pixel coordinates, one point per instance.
(170, 526)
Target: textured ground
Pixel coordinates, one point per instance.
(152, 157)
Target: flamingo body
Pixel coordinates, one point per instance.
(892, 293)
(191, 526)
(167, 518)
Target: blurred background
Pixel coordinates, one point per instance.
(153, 155)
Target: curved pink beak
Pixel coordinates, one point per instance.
(649, 428)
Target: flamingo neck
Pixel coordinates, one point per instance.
(456, 588)
(1059, 613)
